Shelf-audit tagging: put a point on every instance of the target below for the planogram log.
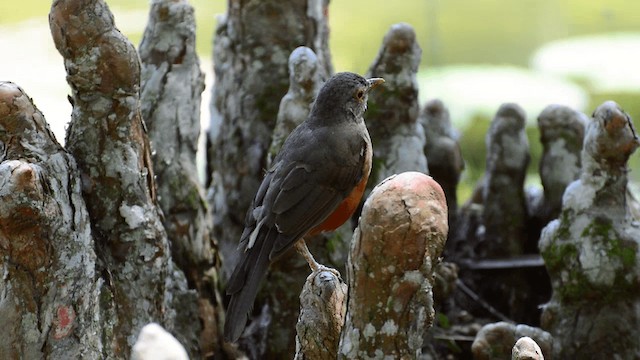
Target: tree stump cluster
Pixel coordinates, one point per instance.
(112, 248)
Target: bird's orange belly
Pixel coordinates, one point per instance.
(344, 211)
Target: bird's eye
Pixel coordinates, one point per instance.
(360, 94)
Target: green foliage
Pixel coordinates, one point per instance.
(458, 31)
(535, 149)
(474, 152)
(443, 321)
(455, 31)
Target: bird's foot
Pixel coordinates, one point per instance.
(301, 248)
(316, 267)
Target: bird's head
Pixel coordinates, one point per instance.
(344, 92)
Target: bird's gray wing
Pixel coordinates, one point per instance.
(309, 192)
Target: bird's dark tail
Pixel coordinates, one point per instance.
(243, 287)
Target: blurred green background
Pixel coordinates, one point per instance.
(470, 34)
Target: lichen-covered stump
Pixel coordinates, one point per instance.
(591, 251)
(323, 304)
(171, 87)
(392, 118)
(497, 341)
(49, 290)
(170, 104)
(494, 224)
(402, 231)
(443, 152)
(108, 140)
(503, 198)
(561, 135)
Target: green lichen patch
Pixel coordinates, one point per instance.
(623, 250)
(573, 285)
(564, 228)
(559, 254)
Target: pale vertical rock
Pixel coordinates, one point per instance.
(494, 225)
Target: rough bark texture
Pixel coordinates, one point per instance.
(49, 290)
(172, 84)
(323, 304)
(505, 211)
(108, 140)
(252, 46)
(402, 231)
(561, 135)
(392, 118)
(591, 250)
(443, 152)
(498, 341)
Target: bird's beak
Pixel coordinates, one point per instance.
(373, 82)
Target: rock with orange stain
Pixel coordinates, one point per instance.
(402, 232)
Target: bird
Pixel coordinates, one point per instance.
(314, 184)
